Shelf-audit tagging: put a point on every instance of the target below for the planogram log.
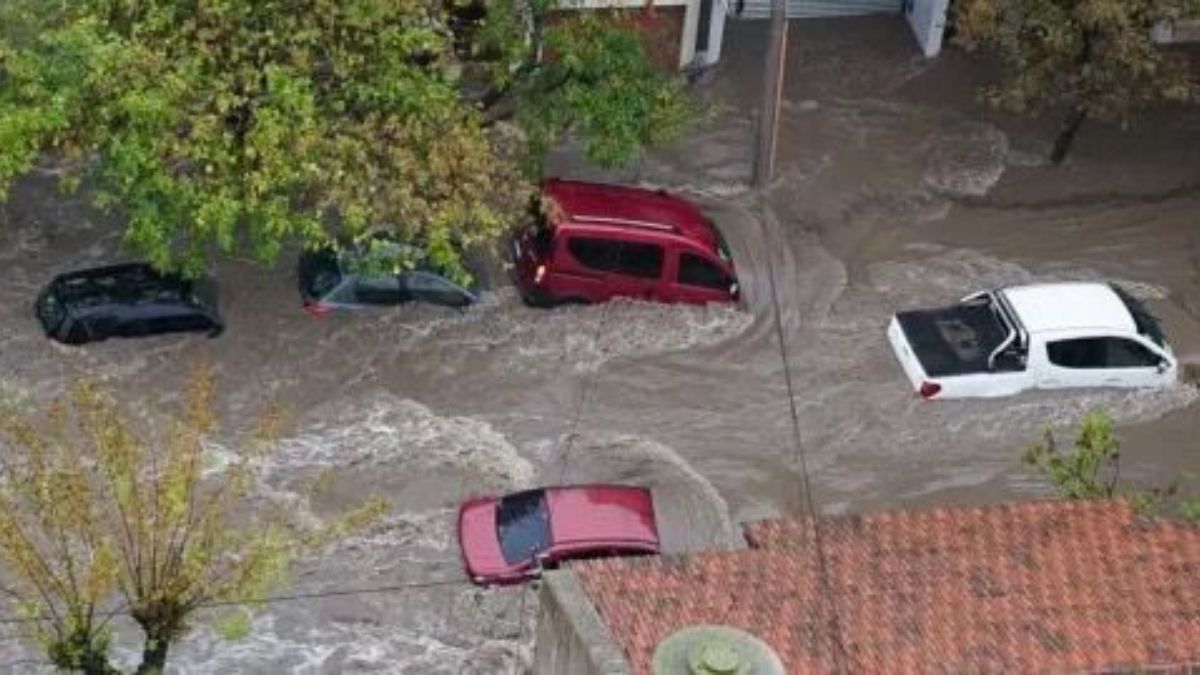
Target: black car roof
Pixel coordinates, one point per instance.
(129, 283)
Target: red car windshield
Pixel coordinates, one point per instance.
(523, 525)
(542, 231)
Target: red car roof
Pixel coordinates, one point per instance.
(609, 204)
(601, 513)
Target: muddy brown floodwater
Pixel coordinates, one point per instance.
(895, 190)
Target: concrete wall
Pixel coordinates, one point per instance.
(1187, 30)
(571, 638)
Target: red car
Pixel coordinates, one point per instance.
(591, 242)
(509, 539)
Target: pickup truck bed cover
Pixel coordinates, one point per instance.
(953, 340)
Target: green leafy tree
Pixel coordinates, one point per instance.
(95, 522)
(584, 73)
(1092, 469)
(1089, 470)
(227, 126)
(1093, 58)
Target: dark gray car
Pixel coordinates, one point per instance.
(129, 300)
(329, 281)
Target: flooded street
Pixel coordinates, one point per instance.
(896, 190)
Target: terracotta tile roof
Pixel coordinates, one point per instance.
(1022, 588)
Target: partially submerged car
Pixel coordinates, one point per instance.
(128, 300)
(506, 540)
(348, 279)
(1040, 336)
(591, 242)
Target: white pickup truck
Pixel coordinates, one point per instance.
(1042, 336)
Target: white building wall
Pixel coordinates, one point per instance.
(928, 21)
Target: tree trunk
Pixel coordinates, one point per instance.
(154, 655)
(1066, 135)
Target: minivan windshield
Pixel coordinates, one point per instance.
(541, 231)
(1147, 324)
(523, 525)
(722, 247)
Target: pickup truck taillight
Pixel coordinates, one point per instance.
(930, 389)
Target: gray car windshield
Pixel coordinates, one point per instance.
(523, 525)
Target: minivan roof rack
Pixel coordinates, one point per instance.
(629, 222)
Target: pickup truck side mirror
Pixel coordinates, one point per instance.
(1162, 366)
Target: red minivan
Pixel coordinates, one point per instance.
(593, 242)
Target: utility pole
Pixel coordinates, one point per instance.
(768, 118)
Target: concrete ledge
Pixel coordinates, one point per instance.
(1184, 30)
(571, 638)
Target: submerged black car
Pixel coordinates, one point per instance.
(130, 300)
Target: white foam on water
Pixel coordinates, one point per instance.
(380, 427)
(968, 160)
(444, 629)
(336, 647)
(692, 514)
(584, 338)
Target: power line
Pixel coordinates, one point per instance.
(273, 599)
(24, 662)
(585, 391)
(588, 379)
(801, 455)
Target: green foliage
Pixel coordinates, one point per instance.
(1096, 58)
(228, 126)
(234, 625)
(601, 85)
(1090, 470)
(92, 515)
(1189, 509)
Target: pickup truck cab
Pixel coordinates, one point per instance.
(1040, 336)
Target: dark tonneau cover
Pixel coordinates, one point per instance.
(953, 340)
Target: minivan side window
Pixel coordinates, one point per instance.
(598, 254)
(1100, 353)
(696, 271)
(641, 260)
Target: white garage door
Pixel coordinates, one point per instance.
(809, 9)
